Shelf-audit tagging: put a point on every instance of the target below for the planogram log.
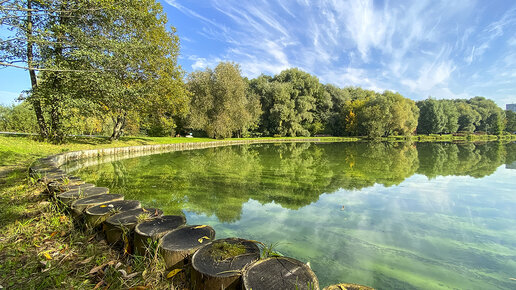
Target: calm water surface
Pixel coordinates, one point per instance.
(387, 215)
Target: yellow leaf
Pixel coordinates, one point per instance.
(202, 239)
(47, 256)
(103, 205)
(173, 273)
(200, 227)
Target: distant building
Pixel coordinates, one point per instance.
(510, 107)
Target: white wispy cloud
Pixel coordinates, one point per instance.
(417, 47)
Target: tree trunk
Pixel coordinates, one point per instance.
(119, 126)
(36, 103)
(55, 123)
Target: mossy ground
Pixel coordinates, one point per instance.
(221, 251)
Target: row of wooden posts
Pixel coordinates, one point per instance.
(231, 263)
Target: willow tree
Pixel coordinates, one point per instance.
(220, 105)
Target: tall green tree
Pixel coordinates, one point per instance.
(113, 52)
(220, 105)
(510, 121)
(492, 116)
(432, 119)
(469, 118)
(451, 115)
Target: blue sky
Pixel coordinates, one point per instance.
(443, 49)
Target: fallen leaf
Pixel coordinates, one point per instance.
(103, 205)
(98, 285)
(202, 239)
(130, 276)
(173, 273)
(86, 261)
(47, 256)
(139, 288)
(96, 269)
(53, 234)
(200, 227)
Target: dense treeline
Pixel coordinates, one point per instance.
(224, 104)
(110, 68)
(295, 103)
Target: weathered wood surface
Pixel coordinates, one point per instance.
(94, 216)
(69, 196)
(179, 244)
(154, 229)
(119, 227)
(219, 264)
(75, 186)
(279, 273)
(80, 205)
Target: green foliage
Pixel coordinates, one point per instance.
(220, 104)
(18, 118)
(432, 118)
(116, 55)
(510, 125)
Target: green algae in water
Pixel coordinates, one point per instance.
(385, 215)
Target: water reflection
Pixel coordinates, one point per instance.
(217, 181)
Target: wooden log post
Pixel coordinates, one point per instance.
(63, 188)
(219, 264)
(153, 230)
(279, 273)
(69, 196)
(346, 286)
(80, 205)
(178, 245)
(95, 216)
(119, 227)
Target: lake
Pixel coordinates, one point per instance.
(386, 215)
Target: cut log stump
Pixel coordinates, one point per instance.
(72, 186)
(219, 264)
(95, 216)
(58, 187)
(153, 230)
(69, 196)
(179, 244)
(346, 286)
(119, 227)
(80, 205)
(279, 273)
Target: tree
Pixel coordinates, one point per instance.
(451, 116)
(220, 105)
(491, 116)
(468, 117)
(113, 52)
(432, 119)
(510, 118)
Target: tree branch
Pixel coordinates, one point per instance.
(49, 69)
